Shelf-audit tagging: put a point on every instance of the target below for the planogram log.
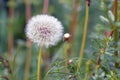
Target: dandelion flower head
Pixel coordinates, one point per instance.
(44, 30)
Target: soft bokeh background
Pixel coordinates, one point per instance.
(61, 9)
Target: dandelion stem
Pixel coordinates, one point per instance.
(65, 56)
(84, 36)
(39, 64)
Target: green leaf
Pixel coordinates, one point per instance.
(108, 53)
(117, 24)
(111, 16)
(103, 19)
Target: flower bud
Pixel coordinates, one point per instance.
(70, 61)
(102, 50)
(66, 37)
(110, 34)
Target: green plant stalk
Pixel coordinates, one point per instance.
(27, 66)
(84, 36)
(14, 62)
(88, 64)
(44, 11)
(15, 57)
(99, 55)
(45, 78)
(59, 77)
(39, 64)
(65, 56)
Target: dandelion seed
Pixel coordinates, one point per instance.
(44, 30)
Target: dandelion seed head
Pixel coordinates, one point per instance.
(44, 30)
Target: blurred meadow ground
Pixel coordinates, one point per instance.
(22, 55)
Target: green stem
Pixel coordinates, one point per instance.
(14, 62)
(84, 36)
(65, 56)
(39, 65)
(27, 66)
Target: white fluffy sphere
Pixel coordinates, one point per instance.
(66, 35)
(44, 30)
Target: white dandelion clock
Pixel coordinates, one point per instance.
(44, 30)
